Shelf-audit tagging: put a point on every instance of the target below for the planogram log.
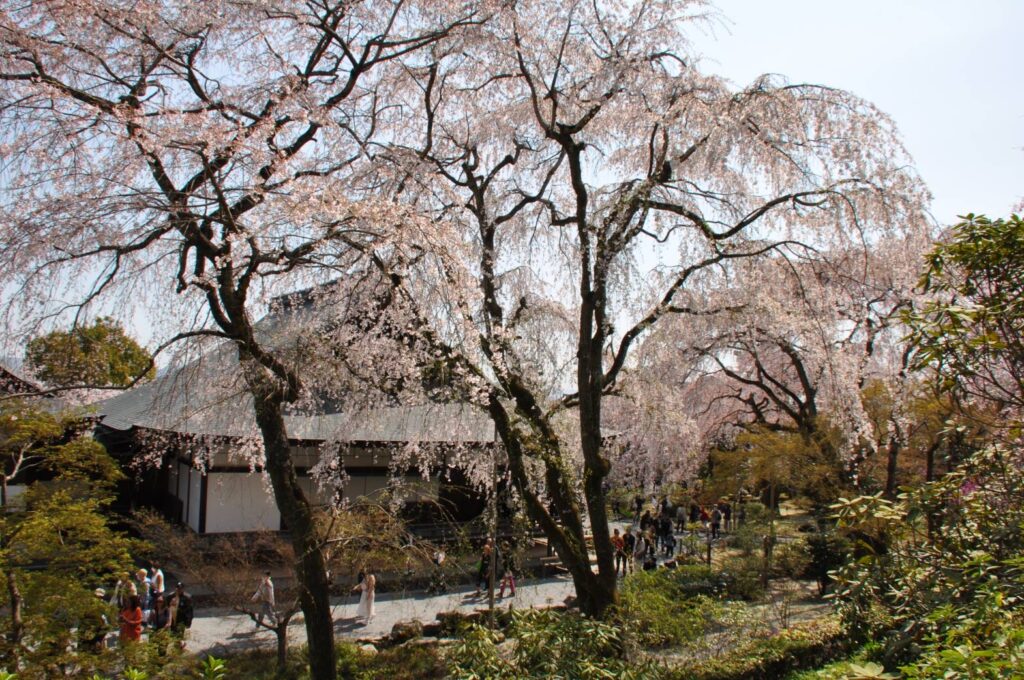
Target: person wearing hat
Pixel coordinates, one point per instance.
(93, 628)
(123, 590)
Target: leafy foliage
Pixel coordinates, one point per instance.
(828, 551)
(941, 568)
(57, 546)
(972, 333)
(546, 644)
(98, 355)
(770, 657)
(408, 662)
(660, 610)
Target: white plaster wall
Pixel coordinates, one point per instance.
(238, 501)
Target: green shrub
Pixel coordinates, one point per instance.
(692, 580)
(945, 589)
(748, 537)
(546, 644)
(772, 657)
(660, 610)
(742, 573)
(828, 551)
(1000, 655)
(214, 668)
(791, 559)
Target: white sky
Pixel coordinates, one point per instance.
(950, 73)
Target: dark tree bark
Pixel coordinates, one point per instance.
(282, 644)
(17, 625)
(297, 513)
(892, 457)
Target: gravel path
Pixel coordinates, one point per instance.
(220, 632)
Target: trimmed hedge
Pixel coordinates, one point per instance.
(770, 658)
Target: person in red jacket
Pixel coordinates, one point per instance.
(131, 620)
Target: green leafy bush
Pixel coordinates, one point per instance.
(742, 573)
(546, 644)
(960, 656)
(828, 551)
(791, 559)
(748, 537)
(660, 609)
(946, 591)
(771, 657)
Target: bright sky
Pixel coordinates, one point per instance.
(950, 73)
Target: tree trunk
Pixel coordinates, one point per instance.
(890, 468)
(593, 595)
(282, 645)
(311, 570)
(929, 465)
(602, 589)
(17, 625)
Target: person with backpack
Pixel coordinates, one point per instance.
(716, 521)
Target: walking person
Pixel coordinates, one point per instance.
(438, 583)
(646, 521)
(628, 548)
(483, 575)
(182, 612)
(92, 629)
(619, 546)
(669, 547)
(716, 521)
(264, 595)
(664, 530)
(508, 568)
(368, 588)
(680, 517)
(160, 617)
(640, 551)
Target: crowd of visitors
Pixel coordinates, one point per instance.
(656, 525)
(144, 603)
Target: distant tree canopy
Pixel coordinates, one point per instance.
(101, 355)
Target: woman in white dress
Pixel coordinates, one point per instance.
(368, 586)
